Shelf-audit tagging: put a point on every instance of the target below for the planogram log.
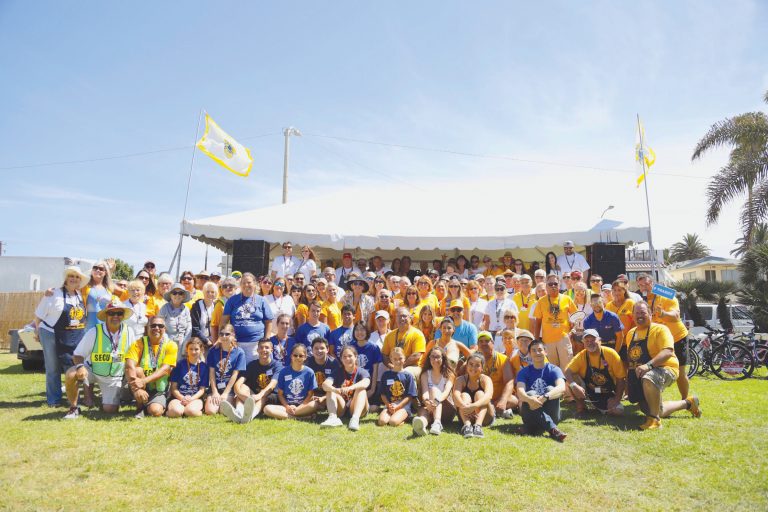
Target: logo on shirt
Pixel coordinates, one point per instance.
(263, 380)
(635, 353)
(296, 387)
(191, 378)
(223, 367)
(311, 337)
(598, 379)
(539, 386)
(362, 360)
(396, 390)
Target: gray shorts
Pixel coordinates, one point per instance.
(157, 398)
(660, 377)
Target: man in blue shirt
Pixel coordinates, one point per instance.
(607, 323)
(465, 332)
(311, 329)
(250, 315)
(539, 388)
(342, 336)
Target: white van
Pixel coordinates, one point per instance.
(740, 316)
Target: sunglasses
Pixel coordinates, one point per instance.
(158, 326)
(595, 280)
(100, 269)
(177, 293)
(552, 284)
(267, 282)
(187, 278)
(500, 289)
(149, 265)
(228, 286)
(456, 310)
(510, 317)
(411, 293)
(454, 286)
(116, 313)
(144, 278)
(279, 285)
(384, 296)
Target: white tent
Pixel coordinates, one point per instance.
(359, 222)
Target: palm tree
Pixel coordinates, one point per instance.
(759, 236)
(754, 280)
(690, 248)
(746, 171)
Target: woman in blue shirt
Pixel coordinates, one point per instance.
(296, 386)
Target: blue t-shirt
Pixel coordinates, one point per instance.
(305, 334)
(190, 379)
(329, 369)
(538, 379)
(280, 350)
(397, 385)
(466, 333)
(343, 379)
(607, 327)
(258, 376)
(247, 316)
(340, 337)
(224, 363)
(368, 356)
(296, 385)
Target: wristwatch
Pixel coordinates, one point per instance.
(650, 365)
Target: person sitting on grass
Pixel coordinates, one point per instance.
(296, 385)
(472, 396)
(653, 366)
(99, 357)
(346, 391)
(397, 390)
(496, 367)
(226, 361)
(255, 388)
(436, 386)
(189, 380)
(368, 357)
(597, 377)
(454, 350)
(148, 365)
(324, 366)
(539, 388)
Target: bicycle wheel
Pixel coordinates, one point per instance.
(693, 362)
(732, 361)
(761, 360)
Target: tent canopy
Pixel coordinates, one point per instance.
(354, 221)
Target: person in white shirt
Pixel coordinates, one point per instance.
(307, 263)
(571, 260)
(494, 312)
(286, 264)
(344, 270)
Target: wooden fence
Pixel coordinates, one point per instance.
(16, 310)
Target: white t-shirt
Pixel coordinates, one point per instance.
(306, 267)
(477, 311)
(495, 311)
(377, 339)
(283, 267)
(138, 320)
(342, 273)
(282, 305)
(573, 262)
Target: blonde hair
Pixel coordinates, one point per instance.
(137, 284)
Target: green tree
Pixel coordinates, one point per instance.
(754, 279)
(690, 248)
(691, 292)
(759, 236)
(746, 171)
(122, 270)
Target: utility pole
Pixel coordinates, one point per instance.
(287, 132)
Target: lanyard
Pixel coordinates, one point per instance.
(223, 368)
(570, 263)
(114, 342)
(153, 356)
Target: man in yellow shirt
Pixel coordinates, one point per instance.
(667, 311)
(148, 364)
(553, 324)
(524, 299)
(408, 338)
(496, 367)
(597, 376)
(653, 367)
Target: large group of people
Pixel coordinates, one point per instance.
(463, 340)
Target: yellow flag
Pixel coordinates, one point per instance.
(643, 153)
(224, 150)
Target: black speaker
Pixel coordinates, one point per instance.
(251, 256)
(608, 260)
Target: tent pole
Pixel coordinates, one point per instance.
(186, 198)
(647, 202)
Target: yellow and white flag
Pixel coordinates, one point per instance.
(224, 150)
(643, 153)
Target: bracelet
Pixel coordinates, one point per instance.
(78, 366)
(571, 385)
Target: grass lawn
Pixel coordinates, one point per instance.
(716, 462)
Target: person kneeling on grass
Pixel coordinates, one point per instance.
(296, 385)
(436, 385)
(597, 377)
(539, 388)
(472, 396)
(349, 394)
(652, 367)
(226, 361)
(99, 357)
(397, 389)
(255, 388)
(148, 364)
(189, 380)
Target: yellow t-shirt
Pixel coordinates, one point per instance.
(659, 338)
(554, 328)
(430, 300)
(494, 369)
(411, 342)
(332, 312)
(195, 297)
(625, 315)
(218, 310)
(137, 347)
(675, 325)
(524, 308)
(578, 364)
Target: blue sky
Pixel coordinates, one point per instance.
(557, 83)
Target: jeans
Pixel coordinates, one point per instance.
(52, 367)
(545, 417)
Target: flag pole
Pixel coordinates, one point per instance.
(186, 199)
(647, 202)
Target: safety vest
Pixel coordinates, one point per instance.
(104, 362)
(161, 384)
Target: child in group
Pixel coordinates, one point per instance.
(225, 363)
(397, 389)
(346, 391)
(189, 380)
(296, 385)
(436, 393)
(472, 397)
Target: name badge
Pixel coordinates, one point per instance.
(328, 371)
(598, 390)
(117, 357)
(555, 324)
(268, 372)
(74, 323)
(288, 377)
(390, 382)
(523, 309)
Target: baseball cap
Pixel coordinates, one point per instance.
(568, 243)
(591, 332)
(347, 255)
(382, 314)
(484, 334)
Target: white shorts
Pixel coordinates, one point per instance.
(110, 387)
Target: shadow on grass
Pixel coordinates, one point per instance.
(17, 369)
(22, 404)
(89, 414)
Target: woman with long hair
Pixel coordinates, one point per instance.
(472, 397)
(295, 400)
(427, 322)
(550, 264)
(281, 303)
(436, 386)
(455, 293)
(97, 293)
(308, 263)
(347, 391)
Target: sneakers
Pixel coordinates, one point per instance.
(332, 421)
(229, 412)
(507, 414)
(477, 431)
(651, 423)
(467, 431)
(558, 435)
(73, 414)
(436, 429)
(248, 406)
(140, 415)
(419, 426)
(693, 406)
(354, 424)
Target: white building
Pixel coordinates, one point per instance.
(35, 273)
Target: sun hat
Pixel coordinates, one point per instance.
(114, 305)
(355, 278)
(73, 269)
(177, 286)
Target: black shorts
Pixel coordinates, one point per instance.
(681, 351)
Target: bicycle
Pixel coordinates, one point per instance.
(759, 349)
(726, 358)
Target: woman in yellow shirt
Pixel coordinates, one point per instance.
(330, 313)
(454, 293)
(426, 322)
(424, 287)
(308, 296)
(622, 305)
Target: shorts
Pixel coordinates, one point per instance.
(157, 398)
(111, 387)
(559, 352)
(600, 403)
(660, 377)
(681, 351)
